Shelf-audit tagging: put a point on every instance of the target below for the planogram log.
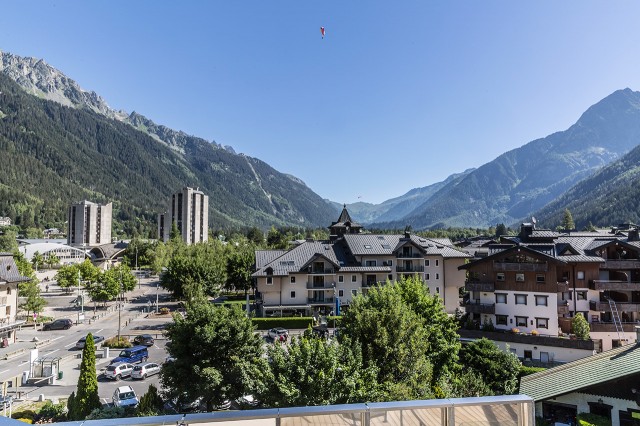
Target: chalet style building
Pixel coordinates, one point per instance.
(318, 276)
(534, 283)
(10, 277)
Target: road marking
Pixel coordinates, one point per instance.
(55, 350)
(60, 337)
(26, 362)
(70, 344)
(3, 371)
(99, 330)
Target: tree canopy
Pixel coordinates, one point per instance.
(498, 369)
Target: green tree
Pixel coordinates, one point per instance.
(393, 339)
(276, 239)
(217, 355)
(72, 407)
(313, 371)
(501, 229)
(151, 403)
(201, 264)
(240, 261)
(86, 397)
(463, 384)
(256, 236)
(110, 283)
(37, 260)
(52, 259)
(580, 327)
(443, 338)
(8, 242)
(567, 221)
(499, 369)
(29, 291)
(68, 277)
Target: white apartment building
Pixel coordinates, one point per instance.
(189, 210)
(9, 280)
(315, 276)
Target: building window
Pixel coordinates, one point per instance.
(426, 262)
(371, 263)
(269, 280)
(542, 322)
(580, 275)
(519, 278)
(540, 278)
(500, 276)
(437, 262)
(437, 290)
(501, 298)
(354, 292)
(354, 278)
(293, 294)
(521, 321)
(437, 276)
(390, 277)
(8, 311)
(340, 278)
(501, 319)
(581, 295)
(293, 280)
(427, 276)
(389, 262)
(521, 299)
(541, 300)
(9, 291)
(340, 293)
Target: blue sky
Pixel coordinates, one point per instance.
(397, 95)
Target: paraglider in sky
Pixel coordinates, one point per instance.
(322, 31)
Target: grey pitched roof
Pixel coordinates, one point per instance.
(296, 258)
(266, 256)
(574, 376)
(374, 244)
(581, 258)
(9, 270)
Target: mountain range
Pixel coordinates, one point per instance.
(63, 144)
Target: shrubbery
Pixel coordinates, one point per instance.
(113, 342)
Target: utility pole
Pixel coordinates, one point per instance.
(119, 306)
(137, 271)
(157, 286)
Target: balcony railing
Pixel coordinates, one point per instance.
(614, 285)
(563, 309)
(480, 308)
(320, 286)
(322, 271)
(373, 284)
(478, 286)
(620, 306)
(539, 340)
(621, 264)
(530, 267)
(409, 255)
(409, 268)
(609, 327)
(563, 286)
(320, 301)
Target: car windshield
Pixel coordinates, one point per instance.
(111, 368)
(126, 354)
(127, 395)
(137, 368)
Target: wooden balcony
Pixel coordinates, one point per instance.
(609, 327)
(480, 308)
(525, 267)
(479, 286)
(621, 264)
(621, 306)
(562, 286)
(614, 285)
(563, 309)
(410, 268)
(409, 256)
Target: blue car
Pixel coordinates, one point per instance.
(131, 355)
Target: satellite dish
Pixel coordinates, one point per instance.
(533, 219)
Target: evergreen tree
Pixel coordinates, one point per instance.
(567, 221)
(151, 403)
(72, 412)
(8, 242)
(580, 326)
(501, 229)
(499, 369)
(86, 398)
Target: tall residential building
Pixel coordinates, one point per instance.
(89, 224)
(189, 210)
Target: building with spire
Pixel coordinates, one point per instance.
(344, 225)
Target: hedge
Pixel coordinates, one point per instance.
(288, 322)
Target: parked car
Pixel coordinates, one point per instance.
(125, 396)
(142, 371)
(118, 371)
(144, 339)
(96, 340)
(279, 333)
(59, 324)
(178, 406)
(131, 355)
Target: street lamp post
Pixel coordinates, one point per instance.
(120, 307)
(157, 286)
(137, 271)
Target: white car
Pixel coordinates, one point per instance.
(125, 396)
(278, 334)
(144, 370)
(118, 371)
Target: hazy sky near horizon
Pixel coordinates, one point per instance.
(397, 95)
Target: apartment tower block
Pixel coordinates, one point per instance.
(189, 210)
(89, 224)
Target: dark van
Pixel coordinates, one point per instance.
(131, 355)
